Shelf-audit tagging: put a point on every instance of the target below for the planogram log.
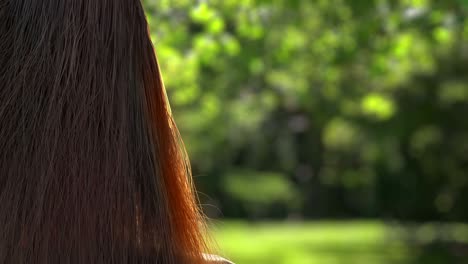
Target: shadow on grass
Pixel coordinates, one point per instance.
(441, 253)
(312, 254)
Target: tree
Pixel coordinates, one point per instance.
(354, 108)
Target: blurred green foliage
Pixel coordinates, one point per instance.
(324, 108)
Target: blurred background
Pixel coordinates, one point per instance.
(323, 131)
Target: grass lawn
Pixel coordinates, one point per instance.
(346, 242)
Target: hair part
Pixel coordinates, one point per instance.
(92, 168)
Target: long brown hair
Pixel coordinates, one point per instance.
(92, 169)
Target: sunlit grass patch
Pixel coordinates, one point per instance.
(309, 243)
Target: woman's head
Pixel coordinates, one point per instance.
(92, 169)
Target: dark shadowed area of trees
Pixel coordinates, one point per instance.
(320, 109)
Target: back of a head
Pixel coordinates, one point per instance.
(91, 166)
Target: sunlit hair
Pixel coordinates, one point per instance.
(92, 169)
